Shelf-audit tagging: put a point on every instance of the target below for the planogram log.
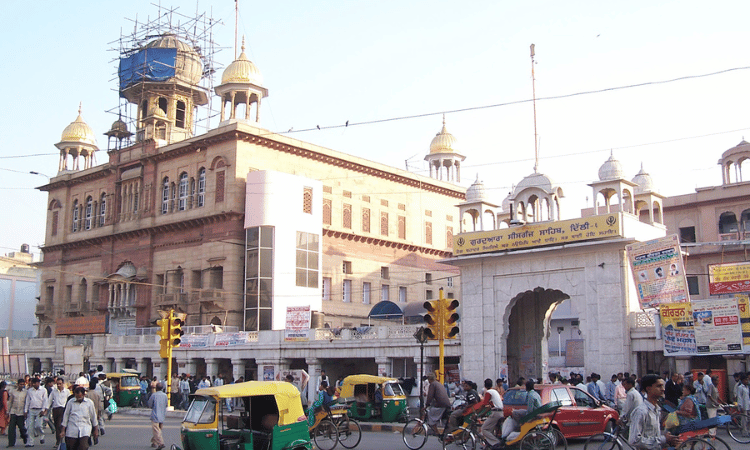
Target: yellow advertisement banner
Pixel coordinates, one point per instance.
(728, 278)
(539, 235)
(743, 302)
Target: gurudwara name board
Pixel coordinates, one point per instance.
(539, 235)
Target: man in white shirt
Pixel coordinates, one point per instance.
(743, 401)
(633, 399)
(79, 421)
(34, 411)
(611, 390)
(701, 388)
(58, 397)
(645, 429)
(496, 405)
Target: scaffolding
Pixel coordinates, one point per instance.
(197, 31)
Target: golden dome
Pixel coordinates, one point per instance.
(188, 64)
(78, 131)
(443, 141)
(242, 70)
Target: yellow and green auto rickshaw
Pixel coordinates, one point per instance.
(126, 388)
(374, 398)
(266, 415)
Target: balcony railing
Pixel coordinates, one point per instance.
(171, 299)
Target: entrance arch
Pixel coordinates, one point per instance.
(528, 330)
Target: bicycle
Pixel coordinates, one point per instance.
(734, 426)
(416, 431)
(554, 438)
(616, 441)
(349, 431)
(324, 431)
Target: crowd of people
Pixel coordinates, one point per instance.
(651, 408)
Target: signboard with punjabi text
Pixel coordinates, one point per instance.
(658, 271)
(539, 235)
(702, 327)
(728, 278)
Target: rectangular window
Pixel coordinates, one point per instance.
(450, 281)
(401, 227)
(68, 293)
(366, 292)
(347, 216)
(366, 198)
(366, 220)
(384, 273)
(402, 294)
(687, 234)
(196, 282)
(50, 295)
(55, 218)
(428, 294)
(259, 268)
(307, 200)
(347, 291)
(428, 233)
(327, 288)
(327, 211)
(384, 293)
(384, 223)
(308, 252)
(692, 282)
(347, 194)
(449, 237)
(327, 190)
(180, 115)
(428, 278)
(347, 267)
(383, 202)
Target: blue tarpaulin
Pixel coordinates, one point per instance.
(149, 64)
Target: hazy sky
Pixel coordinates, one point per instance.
(327, 62)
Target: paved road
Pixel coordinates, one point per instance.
(126, 432)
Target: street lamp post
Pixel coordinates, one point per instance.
(421, 338)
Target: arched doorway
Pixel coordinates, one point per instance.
(528, 330)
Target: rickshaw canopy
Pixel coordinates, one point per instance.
(286, 395)
(347, 386)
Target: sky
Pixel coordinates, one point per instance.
(366, 62)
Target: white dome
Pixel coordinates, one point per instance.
(476, 192)
(643, 181)
(78, 132)
(242, 70)
(611, 169)
(443, 141)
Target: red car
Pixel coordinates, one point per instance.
(579, 416)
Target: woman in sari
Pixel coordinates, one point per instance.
(688, 410)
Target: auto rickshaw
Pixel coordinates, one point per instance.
(267, 415)
(126, 388)
(374, 398)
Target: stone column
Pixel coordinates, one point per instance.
(313, 369)
(211, 365)
(190, 366)
(46, 364)
(121, 363)
(161, 371)
(238, 368)
(384, 365)
(142, 365)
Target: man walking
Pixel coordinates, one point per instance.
(645, 427)
(79, 421)
(34, 410)
(16, 403)
(158, 404)
(57, 399)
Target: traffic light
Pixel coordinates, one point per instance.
(450, 320)
(163, 333)
(176, 321)
(433, 319)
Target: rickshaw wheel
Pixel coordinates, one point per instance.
(696, 443)
(414, 434)
(537, 440)
(349, 432)
(325, 435)
(463, 439)
(558, 439)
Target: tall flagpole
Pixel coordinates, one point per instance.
(533, 95)
(236, 15)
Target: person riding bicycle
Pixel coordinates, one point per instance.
(436, 402)
(324, 399)
(472, 398)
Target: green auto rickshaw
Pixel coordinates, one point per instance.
(126, 388)
(374, 398)
(267, 415)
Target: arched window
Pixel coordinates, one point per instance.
(201, 187)
(83, 291)
(182, 204)
(103, 208)
(728, 224)
(165, 196)
(75, 216)
(163, 104)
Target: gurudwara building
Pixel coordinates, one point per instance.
(235, 227)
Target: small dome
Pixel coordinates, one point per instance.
(611, 169)
(156, 111)
(188, 64)
(476, 192)
(78, 131)
(443, 141)
(119, 125)
(643, 181)
(535, 180)
(242, 70)
(126, 271)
